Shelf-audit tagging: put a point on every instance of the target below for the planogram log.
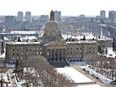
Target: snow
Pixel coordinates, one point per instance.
(77, 77)
(5, 38)
(86, 41)
(93, 72)
(2, 55)
(110, 52)
(23, 42)
(23, 32)
(74, 75)
(5, 77)
(29, 38)
(17, 83)
(88, 36)
(89, 85)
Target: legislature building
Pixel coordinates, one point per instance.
(52, 46)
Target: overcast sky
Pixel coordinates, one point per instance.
(67, 7)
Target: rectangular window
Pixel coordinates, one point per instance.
(13, 54)
(40, 52)
(40, 48)
(26, 53)
(26, 49)
(21, 48)
(17, 54)
(47, 53)
(33, 48)
(13, 49)
(21, 53)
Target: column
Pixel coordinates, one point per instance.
(58, 54)
(49, 54)
(62, 54)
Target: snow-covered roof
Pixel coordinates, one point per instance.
(104, 38)
(78, 37)
(110, 52)
(23, 42)
(23, 32)
(28, 38)
(5, 38)
(81, 41)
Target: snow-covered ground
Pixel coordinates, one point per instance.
(78, 77)
(110, 52)
(102, 78)
(18, 83)
(2, 55)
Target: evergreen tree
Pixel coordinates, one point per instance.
(19, 40)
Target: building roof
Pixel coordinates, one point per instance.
(80, 41)
(23, 32)
(22, 43)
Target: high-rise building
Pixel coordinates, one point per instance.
(103, 14)
(112, 15)
(44, 18)
(58, 15)
(20, 16)
(28, 16)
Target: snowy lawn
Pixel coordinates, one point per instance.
(78, 77)
(93, 72)
(74, 75)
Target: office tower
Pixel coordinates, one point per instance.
(44, 18)
(28, 16)
(112, 15)
(103, 14)
(58, 15)
(20, 16)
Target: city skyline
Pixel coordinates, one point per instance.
(67, 7)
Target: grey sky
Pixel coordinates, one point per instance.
(67, 7)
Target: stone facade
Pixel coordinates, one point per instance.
(52, 51)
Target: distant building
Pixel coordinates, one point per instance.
(9, 19)
(20, 16)
(112, 15)
(44, 18)
(103, 14)
(58, 15)
(28, 16)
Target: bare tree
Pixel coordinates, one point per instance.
(39, 72)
